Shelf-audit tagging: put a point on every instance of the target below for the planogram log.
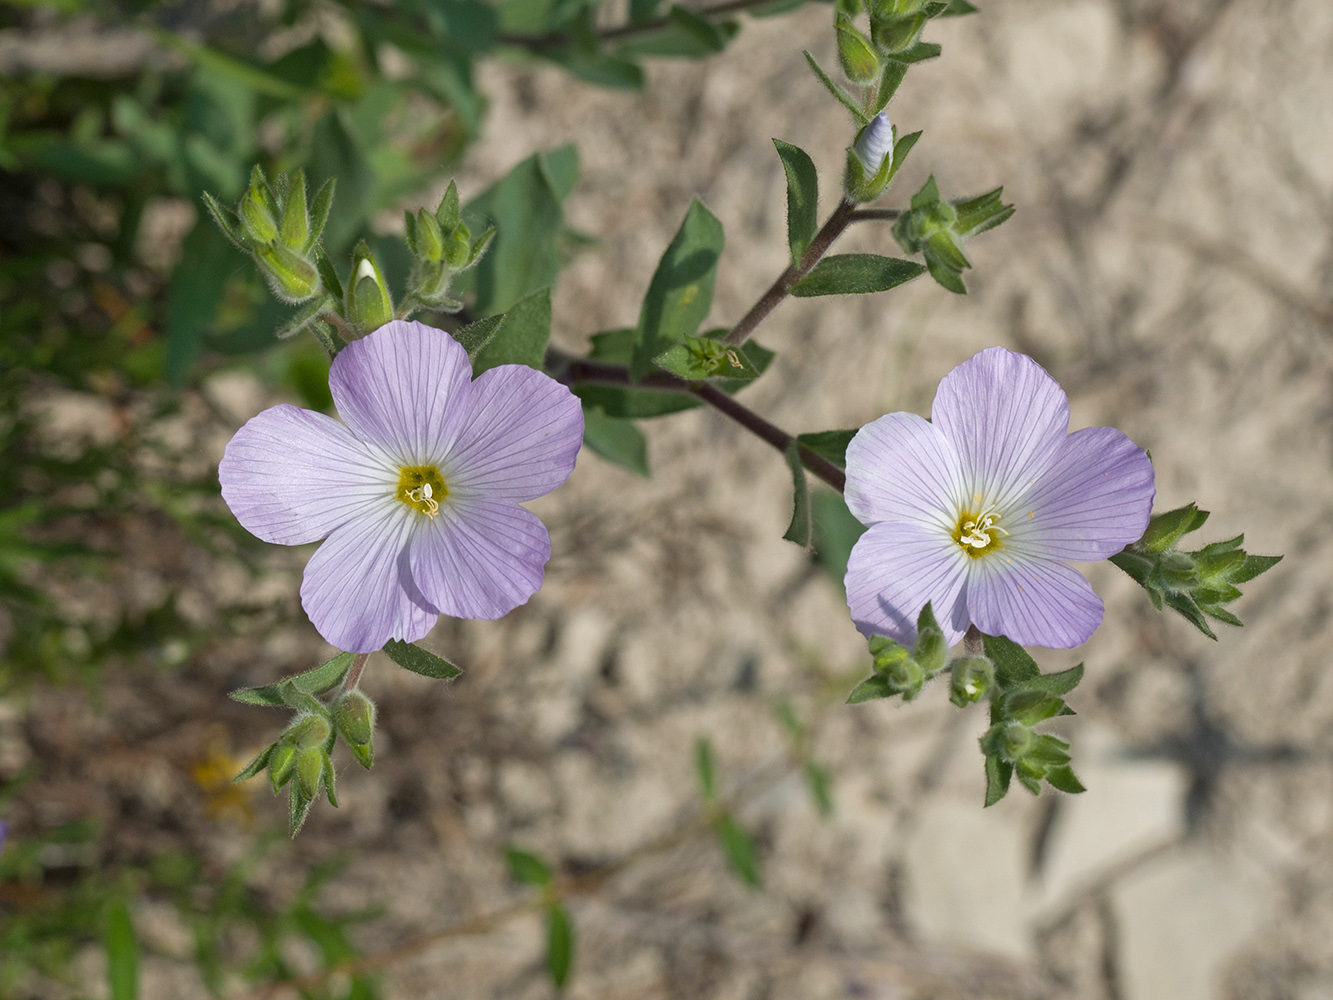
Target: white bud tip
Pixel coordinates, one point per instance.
(365, 269)
(875, 143)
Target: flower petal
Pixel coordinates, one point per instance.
(902, 468)
(520, 438)
(895, 569)
(405, 388)
(1007, 417)
(292, 476)
(1094, 500)
(1033, 601)
(357, 588)
(481, 557)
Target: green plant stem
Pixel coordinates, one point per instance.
(574, 371)
(537, 43)
(840, 219)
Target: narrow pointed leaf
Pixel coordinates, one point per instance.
(855, 274)
(802, 198)
(420, 661)
(844, 98)
(799, 530)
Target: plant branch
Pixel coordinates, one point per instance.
(573, 371)
(842, 216)
(870, 214)
(537, 43)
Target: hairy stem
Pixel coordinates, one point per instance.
(353, 677)
(573, 371)
(842, 216)
(871, 214)
(972, 642)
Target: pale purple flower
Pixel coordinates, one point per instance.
(979, 510)
(416, 492)
(875, 143)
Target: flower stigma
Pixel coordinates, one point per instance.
(422, 488)
(978, 533)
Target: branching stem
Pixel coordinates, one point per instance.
(842, 216)
(573, 371)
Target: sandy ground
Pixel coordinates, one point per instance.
(1170, 263)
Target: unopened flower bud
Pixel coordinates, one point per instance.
(858, 57)
(874, 143)
(281, 763)
(257, 211)
(307, 731)
(931, 650)
(1007, 740)
(897, 33)
(295, 216)
(970, 679)
(354, 715)
(430, 240)
(309, 771)
(369, 305)
(905, 677)
(887, 653)
(458, 246)
(292, 278)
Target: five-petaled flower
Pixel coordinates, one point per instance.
(416, 493)
(979, 510)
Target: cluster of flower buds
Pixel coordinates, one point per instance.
(937, 229)
(899, 671)
(301, 756)
(1198, 584)
(443, 246)
(1031, 756)
(275, 225)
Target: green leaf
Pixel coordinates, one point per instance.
(706, 768)
(521, 336)
(876, 686)
(298, 808)
(601, 68)
(1062, 777)
(900, 150)
(122, 953)
(618, 441)
(998, 773)
(799, 530)
(525, 208)
(642, 11)
(844, 98)
(831, 445)
(312, 682)
(194, 296)
(1013, 665)
(802, 198)
(477, 335)
(739, 849)
(685, 35)
(699, 359)
(559, 944)
(855, 274)
(412, 657)
(957, 8)
(681, 292)
(1058, 683)
(889, 82)
(255, 766)
(1252, 567)
(836, 532)
(919, 52)
(528, 868)
(708, 36)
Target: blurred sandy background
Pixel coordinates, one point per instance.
(1170, 263)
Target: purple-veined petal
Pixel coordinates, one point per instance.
(1033, 601)
(895, 568)
(1094, 500)
(520, 438)
(1007, 417)
(292, 476)
(358, 589)
(404, 388)
(481, 557)
(902, 468)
